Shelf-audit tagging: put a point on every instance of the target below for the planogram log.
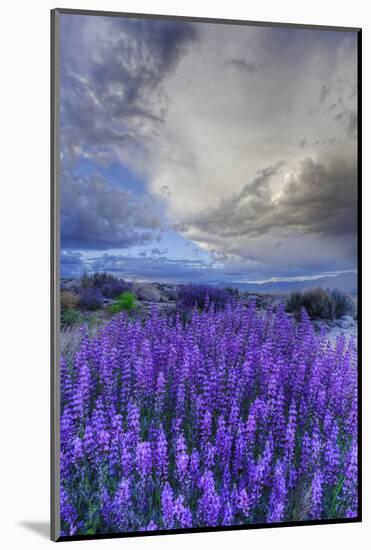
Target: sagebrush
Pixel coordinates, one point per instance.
(321, 303)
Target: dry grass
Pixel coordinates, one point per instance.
(71, 335)
(69, 300)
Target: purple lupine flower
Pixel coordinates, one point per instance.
(182, 513)
(206, 427)
(290, 434)
(84, 386)
(181, 458)
(222, 418)
(152, 526)
(127, 461)
(349, 491)
(167, 506)
(239, 450)
(316, 445)
(107, 509)
(220, 437)
(180, 400)
(98, 419)
(143, 459)
(90, 442)
(78, 450)
(331, 456)
(251, 426)
(133, 422)
(306, 453)
(194, 465)
(122, 505)
(68, 512)
(67, 429)
(160, 393)
(316, 496)
(228, 515)
(209, 504)
(277, 502)
(244, 502)
(161, 455)
(209, 455)
(104, 441)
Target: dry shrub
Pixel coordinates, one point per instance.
(321, 303)
(69, 300)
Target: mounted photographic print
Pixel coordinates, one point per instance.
(205, 274)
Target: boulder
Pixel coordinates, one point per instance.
(347, 319)
(147, 292)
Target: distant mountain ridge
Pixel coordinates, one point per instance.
(346, 282)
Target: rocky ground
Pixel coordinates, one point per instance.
(163, 297)
(333, 328)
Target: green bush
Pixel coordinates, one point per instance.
(125, 302)
(320, 303)
(70, 317)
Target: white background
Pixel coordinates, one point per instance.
(24, 272)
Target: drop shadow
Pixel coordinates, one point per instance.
(41, 528)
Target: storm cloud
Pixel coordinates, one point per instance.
(112, 72)
(238, 140)
(319, 199)
(96, 215)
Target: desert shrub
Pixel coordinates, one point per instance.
(232, 291)
(69, 300)
(113, 288)
(70, 317)
(234, 418)
(109, 285)
(90, 298)
(294, 303)
(125, 302)
(201, 297)
(343, 303)
(317, 302)
(320, 303)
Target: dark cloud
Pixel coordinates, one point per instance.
(349, 120)
(165, 190)
(325, 90)
(112, 94)
(159, 252)
(71, 263)
(174, 271)
(96, 215)
(240, 214)
(242, 65)
(154, 268)
(320, 200)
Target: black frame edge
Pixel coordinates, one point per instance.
(195, 530)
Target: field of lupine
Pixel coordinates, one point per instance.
(234, 416)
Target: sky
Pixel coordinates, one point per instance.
(207, 152)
